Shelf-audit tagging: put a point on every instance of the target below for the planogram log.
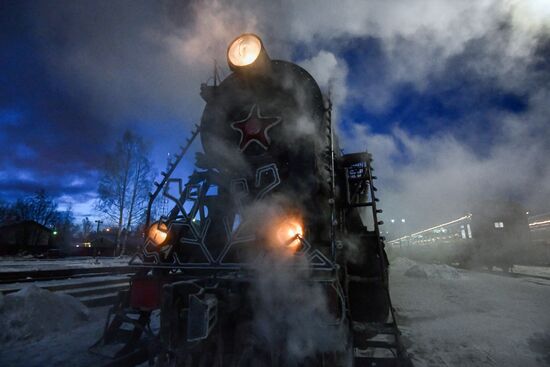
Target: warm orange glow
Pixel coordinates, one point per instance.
(286, 233)
(244, 50)
(158, 233)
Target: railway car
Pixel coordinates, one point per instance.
(495, 234)
(271, 195)
(539, 226)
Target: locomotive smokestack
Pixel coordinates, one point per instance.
(246, 54)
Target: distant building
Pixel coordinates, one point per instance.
(26, 235)
(104, 244)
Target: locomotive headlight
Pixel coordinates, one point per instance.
(246, 50)
(158, 233)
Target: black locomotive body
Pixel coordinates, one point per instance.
(271, 194)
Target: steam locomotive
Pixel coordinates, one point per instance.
(271, 255)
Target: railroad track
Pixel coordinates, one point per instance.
(94, 287)
(57, 274)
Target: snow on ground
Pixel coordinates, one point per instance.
(532, 270)
(475, 319)
(33, 312)
(40, 328)
(433, 271)
(8, 264)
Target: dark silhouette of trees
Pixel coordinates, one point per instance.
(125, 182)
(65, 228)
(40, 208)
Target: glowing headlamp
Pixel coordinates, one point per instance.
(247, 52)
(289, 233)
(158, 233)
(284, 233)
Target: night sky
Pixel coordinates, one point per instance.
(452, 98)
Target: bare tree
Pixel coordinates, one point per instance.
(6, 211)
(86, 227)
(65, 228)
(124, 185)
(39, 208)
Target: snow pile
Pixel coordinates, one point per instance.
(433, 271)
(402, 264)
(34, 312)
(415, 269)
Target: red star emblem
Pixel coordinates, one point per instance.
(254, 128)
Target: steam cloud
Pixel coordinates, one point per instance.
(290, 312)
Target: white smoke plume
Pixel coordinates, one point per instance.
(291, 311)
(152, 61)
(291, 314)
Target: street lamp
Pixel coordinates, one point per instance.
(98, 223)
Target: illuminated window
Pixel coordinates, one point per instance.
(499, 225)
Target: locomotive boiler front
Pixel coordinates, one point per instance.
(263, 129)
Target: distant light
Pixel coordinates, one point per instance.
(402, 220)
(54, 233)
(468, 216)
(108, 229)
(393, 220)
(539, 223)
(527, 213)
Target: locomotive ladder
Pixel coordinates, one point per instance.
(375, 343)
(166, 175)
(122, 335)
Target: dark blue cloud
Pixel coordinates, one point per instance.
(449, 96)
(50, 131)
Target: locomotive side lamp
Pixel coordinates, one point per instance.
(247, 53)
(158, 233)
(289, 232)
(285, 234)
